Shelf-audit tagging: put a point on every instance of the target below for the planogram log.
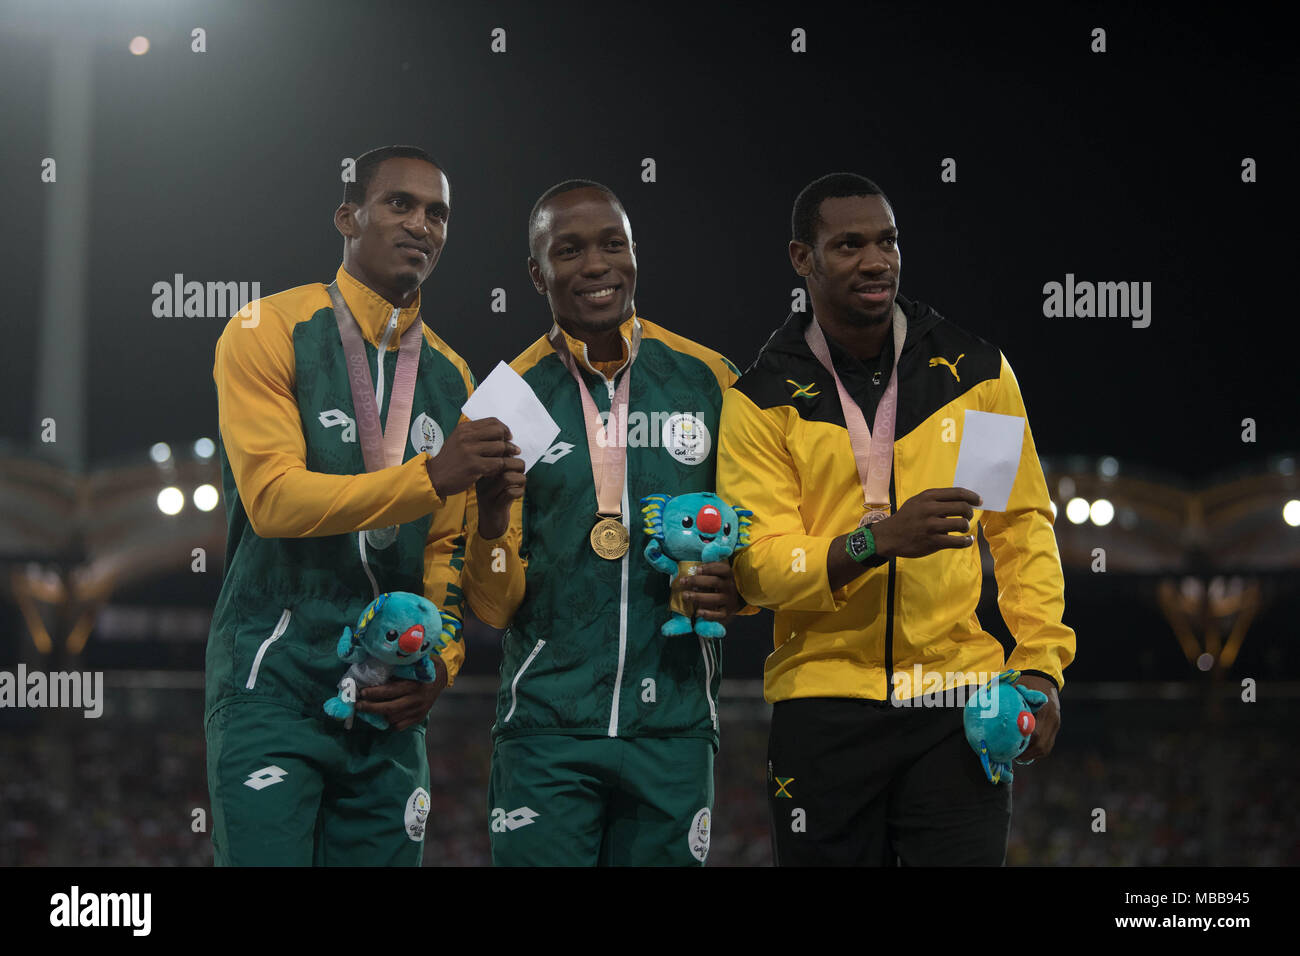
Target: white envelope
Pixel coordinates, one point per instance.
(989, 456)
(504, 395)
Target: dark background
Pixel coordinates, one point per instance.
(1126, 165)
(1121, 166)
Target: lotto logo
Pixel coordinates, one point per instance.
(503, 821)
(266, 777)
(556, 452)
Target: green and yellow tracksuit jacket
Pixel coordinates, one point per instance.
(583, 654)
(298, 496)
(784, 451)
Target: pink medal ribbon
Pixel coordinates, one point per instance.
(608, 455)
(873, 449)
(380, 449)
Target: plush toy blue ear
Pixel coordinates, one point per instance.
(652, 506)
(368, 614)
(745, 516)
(1034, 698)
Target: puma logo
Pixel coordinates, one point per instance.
(951, 366)
(802, 391)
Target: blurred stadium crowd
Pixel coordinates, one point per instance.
(1174, 791)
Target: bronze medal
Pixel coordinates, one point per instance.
(610, 539)
(872, 516)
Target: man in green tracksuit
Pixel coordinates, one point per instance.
(605, 729)
(313, 537)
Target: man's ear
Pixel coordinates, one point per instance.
(345, 220)
(535, 273)
(801, 257)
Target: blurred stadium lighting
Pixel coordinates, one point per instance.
(1053, 504)
(161, 452)
(171, 501)
(139, 45)
(204, 448)
(1077, 510)
(1286, 466)
(1101, 512)
(1065, 487)
(1291, 513)
(1205, 662)
(205, 497)
(1108, 467)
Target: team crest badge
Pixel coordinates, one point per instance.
(417, 814)
(426, 436)
(687, 438)
(698, 837)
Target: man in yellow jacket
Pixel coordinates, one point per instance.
(842, 438)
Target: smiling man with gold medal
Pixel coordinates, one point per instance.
(606, 728)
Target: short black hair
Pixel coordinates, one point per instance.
(368, 162)
(808, 204)
(569, 185)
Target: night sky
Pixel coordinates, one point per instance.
(1121, 166)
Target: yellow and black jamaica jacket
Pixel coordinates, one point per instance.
(583, 654)
(297, 493)
(784, 451)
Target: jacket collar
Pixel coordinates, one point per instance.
(788, 340)
(578, 348)
(372, 311)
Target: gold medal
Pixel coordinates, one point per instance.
(610, 539)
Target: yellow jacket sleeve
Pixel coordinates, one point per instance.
(1026, 562)
(784, 568)
(261, 432)
(444, 559)
(494, 577)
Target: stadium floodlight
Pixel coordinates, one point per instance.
(1291, 513)
(1077, 510)
(206, 497)
(1101, 512)
(171, 501)
(1053, 504)
(139, 45)
(204, 448)
(161, 452)
(1108, 467)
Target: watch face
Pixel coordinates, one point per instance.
(857, 544)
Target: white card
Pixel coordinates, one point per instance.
(989, 456)
(505, 396)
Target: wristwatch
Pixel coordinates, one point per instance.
(861, 545)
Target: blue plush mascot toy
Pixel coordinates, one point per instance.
(999, 721)
(687, 531)
(395, 635)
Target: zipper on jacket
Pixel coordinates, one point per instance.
(365, 563)
(379, 358)
(379, 404)
(514, 684)
(622, 622)
(889, 610)
(280, 628)
(623, 586)
(706, 653)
